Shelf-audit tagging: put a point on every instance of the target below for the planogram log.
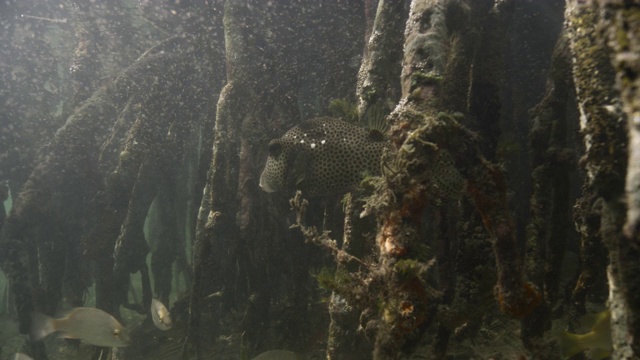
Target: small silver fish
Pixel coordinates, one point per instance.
(160, 315)
(21, 356)
(91, 325)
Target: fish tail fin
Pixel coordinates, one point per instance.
(571, 344)
(41, 326)
(598, 354)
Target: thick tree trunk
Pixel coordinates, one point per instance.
(550, 203)
(430, 144)
(380, 69)
(620, 23)
(603, 127)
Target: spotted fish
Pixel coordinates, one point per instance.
(322, 156)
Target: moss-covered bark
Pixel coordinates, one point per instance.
(620, 25)
(413, 201)
(547, 231)
(419, 278)
(344, 341)
(380, 69)
(219, 234)
(278, 72)
(604, 135)
(42, 230)
(425, 138)
(80, 215)
(377, 88)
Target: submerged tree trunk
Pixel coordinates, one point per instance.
(603, 126)
(620, 24)
(424, 250)
(550, 203)
(243, 247)
(378, 77)
(79, 216)
(433, 149)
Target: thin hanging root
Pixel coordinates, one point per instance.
(312, 235)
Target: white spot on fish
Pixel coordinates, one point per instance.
(323, 141)
(610, 108)
(313, 145)
(301, 141)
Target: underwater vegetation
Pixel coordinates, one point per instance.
(367, 179)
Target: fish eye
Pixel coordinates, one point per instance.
(275, 149)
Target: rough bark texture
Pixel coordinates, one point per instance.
(79, 217)
(603, 128)
(244, 248)
(377, 87)
(380, 69)
(620, 25)
(423, 252)
(425, 136)
(552, 161)
(344, 341)
(216, 242)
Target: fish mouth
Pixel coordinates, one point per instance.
(265, 186)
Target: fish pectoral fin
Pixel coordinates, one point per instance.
(588, 321)
(301, 168)
(598, 354)
(300, 180)
(64, 335)
(572, 344)
(300, 184)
